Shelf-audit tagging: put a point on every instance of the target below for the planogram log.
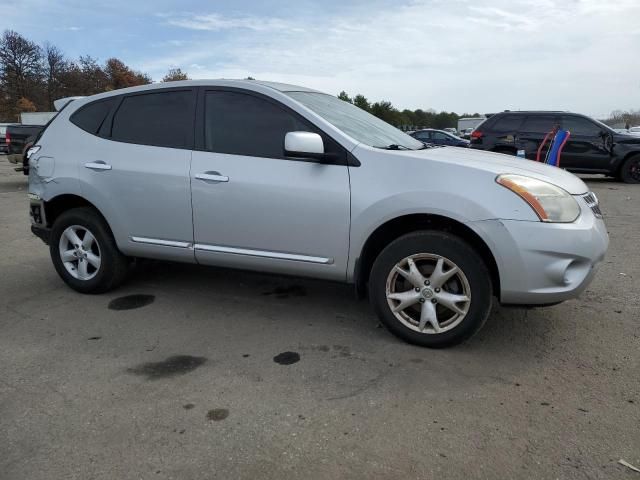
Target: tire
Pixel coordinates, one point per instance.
(97, 266)
(630, 170)
(456, 319)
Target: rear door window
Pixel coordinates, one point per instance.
(539, 124)
(162, 119)
(424, 136)
(508, 123)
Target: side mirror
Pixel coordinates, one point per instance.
(304, 145)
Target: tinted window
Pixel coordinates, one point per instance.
(242, 124)
(580, 126)
(90, 117)
(539, 124)
(163, 119)
(422, 135)
(508, 123)
(440, 136)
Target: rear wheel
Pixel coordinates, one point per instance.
(431, 289)
(630, 170)
(84, 252)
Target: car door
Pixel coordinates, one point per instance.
(256, 208)
(585, 149)
(137, 171)
(532, 133)
(440, 138)
(423, 136)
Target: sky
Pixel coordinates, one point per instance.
(454, 55)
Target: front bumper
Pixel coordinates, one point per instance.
(544, 263)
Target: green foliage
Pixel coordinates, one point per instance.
(406, 119)
(344, 97)
(362, 102)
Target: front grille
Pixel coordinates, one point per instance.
(592, 202)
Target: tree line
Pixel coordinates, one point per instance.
(33, 76)
(623, 119)
(406, 119)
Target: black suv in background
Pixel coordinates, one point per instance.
(593, 147)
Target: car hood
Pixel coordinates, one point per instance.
(627, 138)
(498, 163)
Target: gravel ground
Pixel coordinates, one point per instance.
(222, 374)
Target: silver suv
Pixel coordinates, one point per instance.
(285, 179)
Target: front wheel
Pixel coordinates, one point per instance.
(431, 288)
(84, 252)
(630, 170)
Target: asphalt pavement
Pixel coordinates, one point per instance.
(189, 372)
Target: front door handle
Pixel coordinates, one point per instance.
(212, 177)
(99, 165)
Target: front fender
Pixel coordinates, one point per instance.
(443, 204)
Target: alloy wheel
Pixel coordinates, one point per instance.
(428, 293)
(79, 252)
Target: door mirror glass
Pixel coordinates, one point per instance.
(304, 144)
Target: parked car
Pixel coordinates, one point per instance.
(17, 136)
(466, 133)
(593, 147)
(4, 148)
(634, 130)
(439, 137)
(452, 131)
(283, 179)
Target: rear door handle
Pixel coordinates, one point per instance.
(99, 165)
(212, 177)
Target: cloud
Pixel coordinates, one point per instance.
(484, 55)
(215, 22)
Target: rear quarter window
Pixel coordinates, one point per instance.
(90, 117)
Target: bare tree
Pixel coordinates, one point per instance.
(20, 71)
(92, 77)
(55, 68)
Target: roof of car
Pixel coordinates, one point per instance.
(431, 130)
(529, 112)
(238, 83)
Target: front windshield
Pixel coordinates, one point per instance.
(355, 122)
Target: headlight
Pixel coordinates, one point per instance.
(551, 203)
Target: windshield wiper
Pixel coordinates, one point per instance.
(394, 146)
